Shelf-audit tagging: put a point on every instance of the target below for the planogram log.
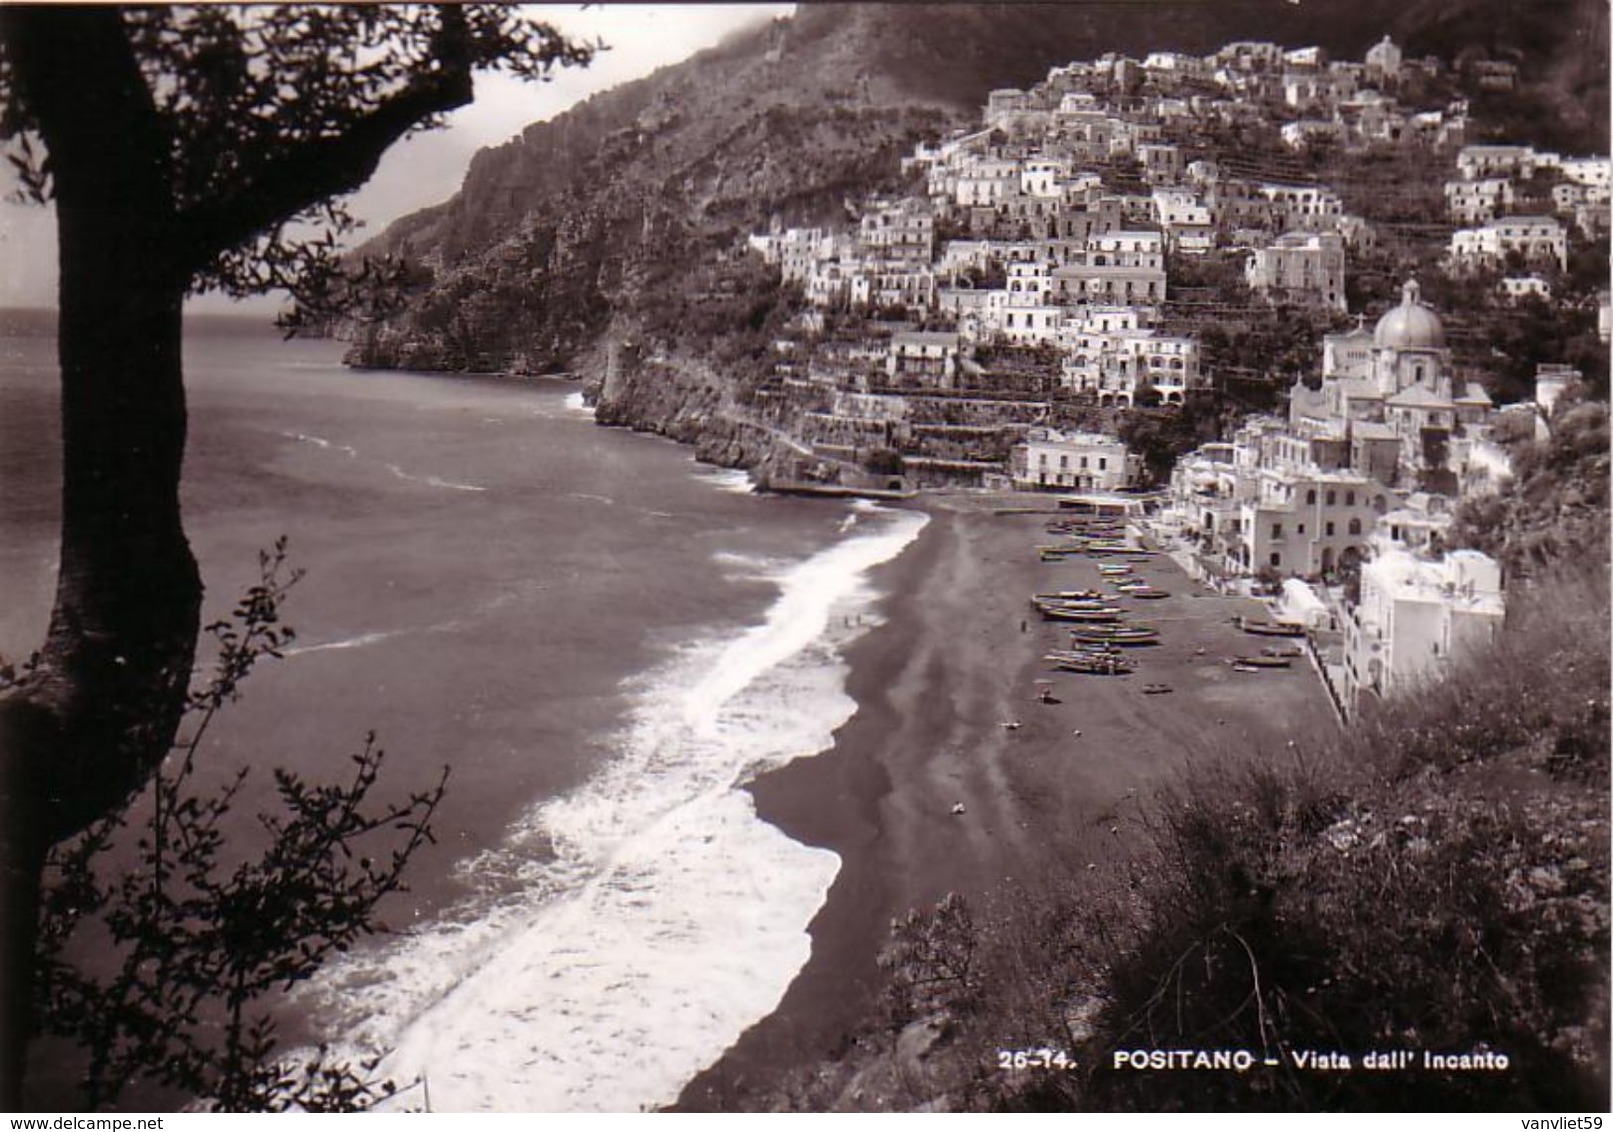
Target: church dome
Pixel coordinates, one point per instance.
(1411, 325)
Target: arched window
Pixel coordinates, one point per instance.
(1332, 497)
(1355, 526)
(1310, 496)
(1349, 499)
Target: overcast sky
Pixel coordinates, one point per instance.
(428, 168)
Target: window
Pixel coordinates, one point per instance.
(1310, 496)
(1276, 530)
(1330, 528)
(1276, 559)
(1332, 498)
(1103, 463)
(1355, 526)
(1301, 528)
(1064, 462)
(1349, 499)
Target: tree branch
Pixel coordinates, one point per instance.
(75, 70)
(320, 168)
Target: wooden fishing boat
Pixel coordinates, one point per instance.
(1125, 635)
(1271, 628)
(1147, 592)
(1069, 595)
(1262, 661)
(1094, 665)
(1102, 614)
(1079, 606)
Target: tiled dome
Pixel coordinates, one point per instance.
(1411, 325)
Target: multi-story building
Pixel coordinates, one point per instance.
(899, 231)
(1115, 365)
(1475, 201)
(1533, 239)
(1302, 208)
(1303, 268)
(1080, 461)
(1186, 220)
(1476, 161)
(879, 284)
(1383, 62)
(1415, 619)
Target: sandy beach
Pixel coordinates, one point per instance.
(949, 713)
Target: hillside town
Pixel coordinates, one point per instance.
(993, 329)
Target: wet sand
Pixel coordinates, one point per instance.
(957, 660)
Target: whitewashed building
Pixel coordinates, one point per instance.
(1535, 239)
(1416, 618)
(1083, 461)
(1306, 268)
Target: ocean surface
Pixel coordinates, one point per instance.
(604, 641)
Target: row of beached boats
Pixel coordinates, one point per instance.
(1098, 629)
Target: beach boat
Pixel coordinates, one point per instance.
(1101, 614)
(1115, 570)
(1282, 650)
(1147, 592)
(1096, 665)
(1126, 635)
(1262, 661)
(1271, 628)
(1089, 653)
(1157, 689)
(1069, 595)
(1077, 605)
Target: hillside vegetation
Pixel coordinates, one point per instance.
(1437, 881)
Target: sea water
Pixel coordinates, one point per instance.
(603, 640)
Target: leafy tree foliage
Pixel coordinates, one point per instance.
(1556, 508)
(199, 938)
(181, 146)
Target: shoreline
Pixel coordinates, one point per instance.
(956, 659)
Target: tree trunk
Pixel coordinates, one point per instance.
(84, 731)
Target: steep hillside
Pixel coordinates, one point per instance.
(584, 222)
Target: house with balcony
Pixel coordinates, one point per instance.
(1300, 268)
(1532, 239)
(1080, 461)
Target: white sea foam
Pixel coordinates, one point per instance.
(346, 643)
(628, 933)
(320, 442)
(736, 480)
(432, 481)
(574, 403)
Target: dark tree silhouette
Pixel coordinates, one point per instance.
(178, 146)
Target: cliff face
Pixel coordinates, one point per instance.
(620, 218)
